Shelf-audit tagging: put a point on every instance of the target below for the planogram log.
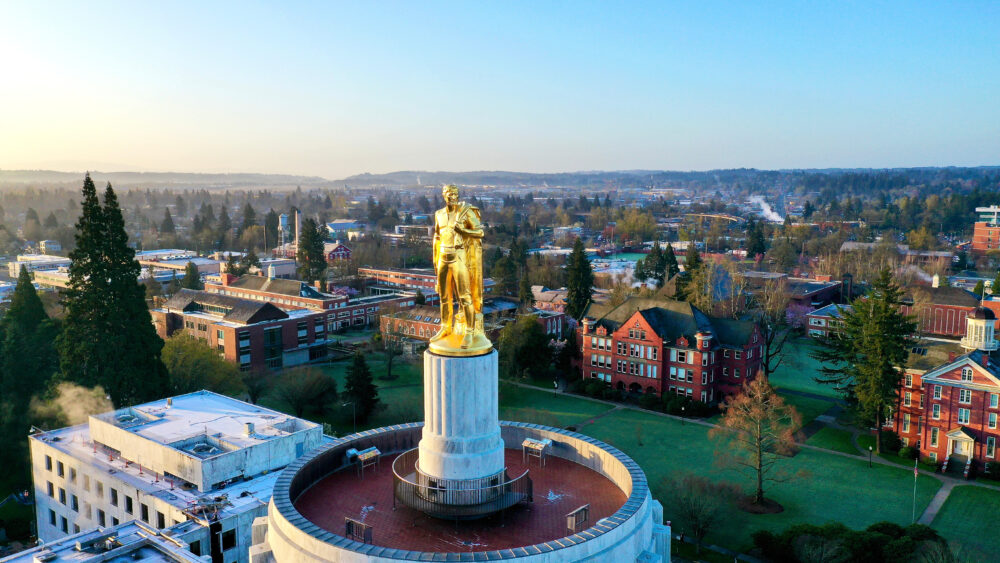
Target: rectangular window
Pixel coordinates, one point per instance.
(48, 463)
(101, 518)
(60, 469)
(991, 446)
(114, 497)
(909, 380)
(965, 396)
(100, 489)
(50, 490)
(921, 400)
(86, 483)
(906, 422)
(936, 412)
(994, 398)
(725, 353)
(725, 371)
(653, 353)
(933, 456)
(993, 420)
(144, 513)
(114, 521)
(72, 475)
(681, 357)
(621, 347)
(963, 416)
(128, 504)
(690, 376)
(74, 503)
(62, 495)
(160, 520)
(704, 359)
(704, 378)
(228, 539)
(737, 354)
(52, 517)
(736, 372)
(63, 524)
(934, 437)
(906, 399)
(937, 391)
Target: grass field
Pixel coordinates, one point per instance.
(831, 488)
(833, 439)
(798, 370)
(808, 407)
(968, 520)
(544, 407)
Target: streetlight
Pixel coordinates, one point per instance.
(682, 414)
(869, 457)
(354, 413)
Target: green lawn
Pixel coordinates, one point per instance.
(831, 488)
(798, 370)
(833, 439)
(808, 407)
(968, 520)
(544, 407)
(404, 371)
(868, 440)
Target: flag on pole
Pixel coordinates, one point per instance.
(915, 470)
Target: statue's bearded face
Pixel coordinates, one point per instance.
(450, 194)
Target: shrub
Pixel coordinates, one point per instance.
(888, 528)
(890, 441)
(595, 388)
(650, 401)
(909, 452)
(992, 471)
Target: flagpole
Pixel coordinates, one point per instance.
(913, 510)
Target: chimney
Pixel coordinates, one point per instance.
(227, 278)
(985, 360)
(298, 226)
(936, 281)
(248, 429)
(824, 277)
(270, 270)
(170, 402)
(319, 285)
(704, 339)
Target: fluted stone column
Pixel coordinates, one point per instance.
(461, 435)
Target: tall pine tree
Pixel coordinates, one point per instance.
(671, 268)
(359, 388)
(865, 359)
(311, 258)
(579, 281)
(108, 337)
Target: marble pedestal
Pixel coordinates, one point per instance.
(461, 447)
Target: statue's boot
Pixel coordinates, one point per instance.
(445, 332)
(468, 339)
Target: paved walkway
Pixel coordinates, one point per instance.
(937, 502)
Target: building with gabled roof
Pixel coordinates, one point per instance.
(949, 401)
(655, 345)
(252, 334)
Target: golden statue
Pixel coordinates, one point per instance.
(458, 263)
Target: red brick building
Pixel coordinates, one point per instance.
(341, 311)
(251, 334)
(420, 323)
(396, 279)
(949, 411)
(986, 233)
(664, 346)
(336, 252)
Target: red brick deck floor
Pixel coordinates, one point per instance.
(559, 488)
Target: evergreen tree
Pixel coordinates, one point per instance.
(108, 337)
(270, 229)
(26, 309)
(192, 278)
(249, 218)
(181, 206)
(419, 298)
(671, 268)
(504, 274)
(311, 258)
(865, 359)
(224, 230)
(175, 284)
(755, 240)
(692, 260)
(656, 266)
(808, 209)
(359, 388)
(579, 281)
(995, 288)
(51, 222)
(980, 289)
(524, 295)
(167, 226)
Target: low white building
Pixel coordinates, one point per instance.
(201, 464)
(130, 541)
(33, 262)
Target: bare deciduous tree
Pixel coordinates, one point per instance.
(756, 430)
(698, 502)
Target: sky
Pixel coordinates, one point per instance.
(339, 88)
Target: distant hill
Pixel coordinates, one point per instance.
(159, 179)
